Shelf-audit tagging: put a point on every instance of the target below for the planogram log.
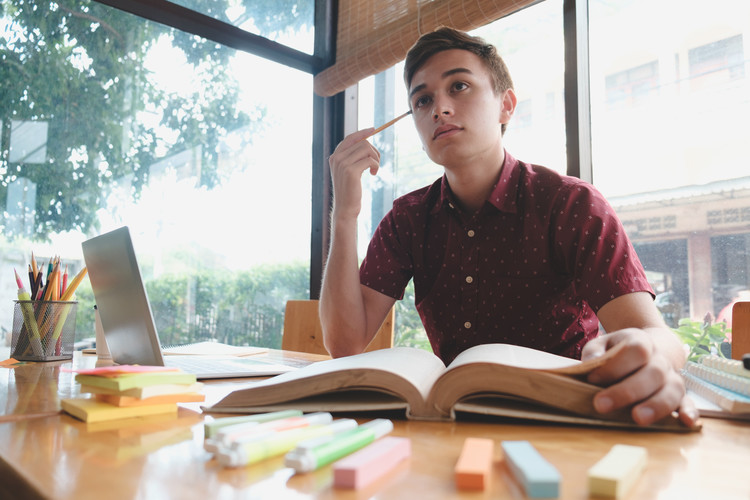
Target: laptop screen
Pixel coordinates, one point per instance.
(121, 299)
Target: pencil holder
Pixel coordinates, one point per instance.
(43, 330)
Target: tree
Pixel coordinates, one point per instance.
(78, 66)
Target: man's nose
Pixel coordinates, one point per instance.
(441, 107)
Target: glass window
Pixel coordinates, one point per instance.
(631, 86)
(670, 151)
(528, 40)
(289, 22)
(717, 62)
(204, 152)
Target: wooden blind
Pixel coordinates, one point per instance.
(373, 35)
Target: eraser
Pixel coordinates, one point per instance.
(539, 478)
(615, 474)
(371, 462)
(474, 467)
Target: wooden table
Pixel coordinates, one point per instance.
(46, 454)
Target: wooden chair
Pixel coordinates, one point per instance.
(740, 329)
(303, 332)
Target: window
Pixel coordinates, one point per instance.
(669, 143)
(203, 151)
(717, 62)
(631, 86)
(289, 22)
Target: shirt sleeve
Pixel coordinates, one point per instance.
(387, 266)
(592, 247)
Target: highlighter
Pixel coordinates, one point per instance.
(250, 430)
(307, 459)
(24, 300)
(278, 443)
(211, 428)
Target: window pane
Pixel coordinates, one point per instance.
(669, 128)
(289, 22)
(109, 120)
(528, 40)
(531, 43)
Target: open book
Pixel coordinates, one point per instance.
(490, 379)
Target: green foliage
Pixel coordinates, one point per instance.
(85, 315)
(409, 329)
(80, 67)
(246, 308)
(702, 337)
(242, 309)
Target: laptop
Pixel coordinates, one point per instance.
(128, 323)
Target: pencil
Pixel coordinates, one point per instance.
(32, 281)
(64, 281)
(70, 290)
(34, 266)
(388, 124)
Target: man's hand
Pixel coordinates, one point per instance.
(639, 375)
(351, 158)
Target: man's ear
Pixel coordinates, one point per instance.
(509, 101)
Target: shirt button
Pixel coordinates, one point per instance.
(471, 233)
(469, 279)
(467, 325)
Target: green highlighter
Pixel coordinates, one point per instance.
(307, 457)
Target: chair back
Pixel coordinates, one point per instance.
(303, 332)
(740, 329)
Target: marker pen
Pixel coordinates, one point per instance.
(305, 459)
(278, 443)
(211, 428)
(233, 433)
(254, 430)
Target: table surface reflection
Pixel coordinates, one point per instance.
(47, 454)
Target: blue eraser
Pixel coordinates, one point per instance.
(539, 478)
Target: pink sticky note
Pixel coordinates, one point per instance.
(368, 464)
(117, 370)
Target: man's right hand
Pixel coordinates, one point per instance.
(351, 158)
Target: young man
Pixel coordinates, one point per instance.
(499, 250)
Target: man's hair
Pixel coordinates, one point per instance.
(445, 38)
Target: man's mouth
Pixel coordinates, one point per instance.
(444, 130)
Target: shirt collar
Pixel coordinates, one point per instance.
(503, 196)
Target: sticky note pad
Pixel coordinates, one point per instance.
(371, 462)
(91, 410)
(539, 478)
(474, 467)
(615, 474)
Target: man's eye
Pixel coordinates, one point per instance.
(422, 101)
(459, 86)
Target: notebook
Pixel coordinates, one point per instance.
(128, 323)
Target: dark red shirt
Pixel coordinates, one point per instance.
(531, 267)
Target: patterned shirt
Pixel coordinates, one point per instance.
(530, 268)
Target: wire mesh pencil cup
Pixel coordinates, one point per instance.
(43, 330)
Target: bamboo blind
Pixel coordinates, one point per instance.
(373, 35)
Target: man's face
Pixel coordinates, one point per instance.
(457, 113)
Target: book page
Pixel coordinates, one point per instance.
(405, 371)
(530, 359)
